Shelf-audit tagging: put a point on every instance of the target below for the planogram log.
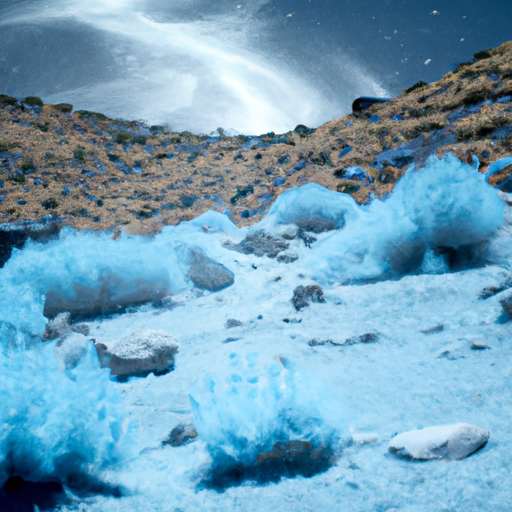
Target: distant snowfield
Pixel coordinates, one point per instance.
(265, 378)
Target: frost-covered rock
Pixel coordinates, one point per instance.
(303, 296)
(181, 434)
(260, 244)
(449, 442)
(139, 353)
(58, 326)
(287, 256)
(208, 274)
(110, 293)
(70, 350)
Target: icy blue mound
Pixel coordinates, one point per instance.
(446, 207)
(308, 206)
(57, 426)
(257, 416)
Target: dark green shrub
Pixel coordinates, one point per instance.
(50, 204)
(33, 101)
(8, 100)
(67, 108)
(418, 85)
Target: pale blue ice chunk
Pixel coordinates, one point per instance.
(498, 166)
(245, 413)
(309, 202)
(445, 204)
(56, 425)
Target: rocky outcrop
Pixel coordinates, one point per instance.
(139, 354)
(449, 442)
(207, 273)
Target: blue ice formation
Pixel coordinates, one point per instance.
(56, 425)
(446, 204)
(498, 166)
(253, 404)
(311, 201)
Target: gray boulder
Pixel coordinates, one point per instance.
(260, 244)
(180, 435)
(208, 274)
(111, 293)
(448, 442)
(139, 354)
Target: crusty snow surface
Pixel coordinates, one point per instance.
(414, 376)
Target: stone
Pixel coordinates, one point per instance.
(260, 244)
(479, 345)
(448, 442)
(139, 354)
(369, 337)
(180, 435)
(303, 296)
(112, 294)
(70, 350)
(287, 256)
(506, 304)
(230, 323)
(207, 273)
(81, 329)
(285, 459)
(58, 326)
(432, 330)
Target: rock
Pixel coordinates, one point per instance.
(233, 323)
(287, 256)
(369, 337)
(449, 442)
(180, 435)
(432, 330)
(506, 304)
(260, 244)
(58, 326)
(70, 350)
(208, 274)
(303, 296)
(139, 354)
(315, 224)
(81, 329)
(479, 345)
(491, 291)
(112, 294)
(285, 459)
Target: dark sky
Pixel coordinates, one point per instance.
(392, 36)
(325, 43)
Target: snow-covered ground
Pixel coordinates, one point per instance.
(279, 374)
